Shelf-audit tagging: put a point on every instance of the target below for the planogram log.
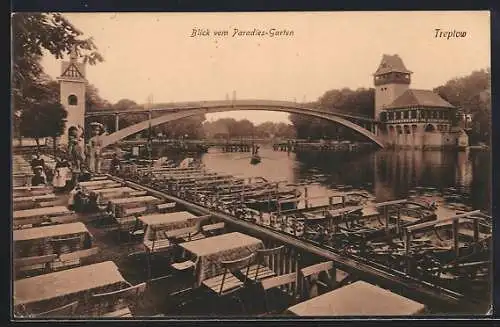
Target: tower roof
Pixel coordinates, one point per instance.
(391, 63)
(419, 98)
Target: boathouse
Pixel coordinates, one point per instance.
(413, 118)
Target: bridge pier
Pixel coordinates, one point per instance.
(117, 122)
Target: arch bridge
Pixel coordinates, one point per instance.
(363, 125)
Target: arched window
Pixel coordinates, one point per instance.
(72, 100)
(430, 128)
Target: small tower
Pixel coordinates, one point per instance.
(72, 94)
(391, 80)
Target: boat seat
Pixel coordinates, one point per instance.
(125, 312)
(213, 228)
(181, 266)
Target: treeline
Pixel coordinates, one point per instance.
(232, 128)
(472, 95)
(358, 102)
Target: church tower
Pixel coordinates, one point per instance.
(72, 94)
(391, 80)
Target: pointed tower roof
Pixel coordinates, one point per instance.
(391, 63)
(72, 69)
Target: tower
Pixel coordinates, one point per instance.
(72, 84)
(391, 80)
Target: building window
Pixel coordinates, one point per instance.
(72, 100)
(434, 114)
(445, 115)
(429, 128)
(383, 116)
(405, 114)
(413, 114)
(391, 116)
(398, 114)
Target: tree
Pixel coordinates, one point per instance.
(32, 33)
(472, 95)
(46, 119)
(358, 102)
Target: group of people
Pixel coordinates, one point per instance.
(75, 164)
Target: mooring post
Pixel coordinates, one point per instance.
(306, 196)
(243, 194)
(476, 234)
(407, 238)
(330, 202)
(398, 220)
(456, 245)
(387, 222)
(269, 197)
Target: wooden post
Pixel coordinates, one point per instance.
(476, 233)
(306, 197)
(476, 230)
(243, 194)
(343, 201)
(407, 250)
(195, 191)
(398, 220)
(387, 221)
(269, 196)
(456, 245)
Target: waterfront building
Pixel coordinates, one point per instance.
(412, 118)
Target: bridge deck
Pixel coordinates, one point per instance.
(237, 104)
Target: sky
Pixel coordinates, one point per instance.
(154, 54)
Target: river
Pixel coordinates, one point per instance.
(456, 181)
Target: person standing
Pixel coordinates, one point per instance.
(62, 174)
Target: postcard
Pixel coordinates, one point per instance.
(251, 164)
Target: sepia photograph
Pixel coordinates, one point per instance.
(251, 165)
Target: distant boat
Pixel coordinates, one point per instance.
(256, 159)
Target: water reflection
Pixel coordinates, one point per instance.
(459, 180)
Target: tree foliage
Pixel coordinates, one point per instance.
(360, 102)
(472, 95)
(46, 119)
(34, 33)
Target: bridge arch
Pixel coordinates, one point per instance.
(188, 112)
